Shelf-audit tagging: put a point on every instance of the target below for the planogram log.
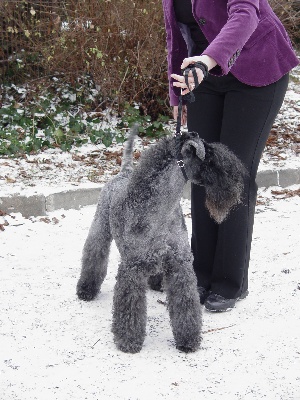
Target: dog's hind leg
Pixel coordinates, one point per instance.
(129, 308)
(183, 300)
(95, 255)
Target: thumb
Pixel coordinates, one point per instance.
(186, 62)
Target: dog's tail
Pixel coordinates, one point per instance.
(127, 162)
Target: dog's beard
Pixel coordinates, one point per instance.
(220, 203)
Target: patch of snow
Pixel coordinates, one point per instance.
(54, 346)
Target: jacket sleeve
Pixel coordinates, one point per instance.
(243, 18)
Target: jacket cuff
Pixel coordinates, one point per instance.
(224, 65)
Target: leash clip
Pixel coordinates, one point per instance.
(177, 134)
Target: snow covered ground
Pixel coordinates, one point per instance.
(55, 347)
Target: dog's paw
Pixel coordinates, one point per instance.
(188, 346)
(85, 296)
(155, 282)
(187, 349)
(129, 347)
(86, 292)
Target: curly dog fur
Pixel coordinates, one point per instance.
(140, 209)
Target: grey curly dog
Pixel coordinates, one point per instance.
(140, 209)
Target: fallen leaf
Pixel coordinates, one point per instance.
(10, 180)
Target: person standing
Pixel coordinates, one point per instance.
(248, 55)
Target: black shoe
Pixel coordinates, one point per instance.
(217, 303)
(203, 293)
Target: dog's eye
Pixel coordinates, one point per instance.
(190, 151)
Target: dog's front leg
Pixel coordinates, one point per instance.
(129, 308)
(183, 302)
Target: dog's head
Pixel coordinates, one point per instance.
(215, 167)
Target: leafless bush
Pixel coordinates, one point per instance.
(288, 12)
(121, 44)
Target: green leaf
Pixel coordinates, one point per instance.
(120, 138)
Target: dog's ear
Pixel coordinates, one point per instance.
(224, 180)
(193, 147)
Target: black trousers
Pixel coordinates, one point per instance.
(241, 117)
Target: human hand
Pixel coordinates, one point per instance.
(180, 80)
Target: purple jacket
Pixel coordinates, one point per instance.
(245, 37)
